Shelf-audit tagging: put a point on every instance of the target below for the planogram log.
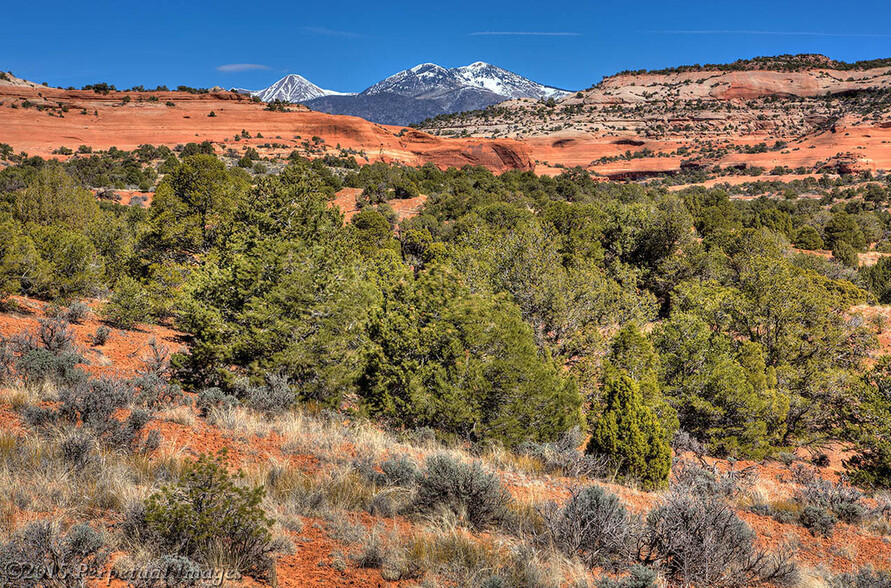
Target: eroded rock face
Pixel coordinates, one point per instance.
(712, 118)
(849, 163)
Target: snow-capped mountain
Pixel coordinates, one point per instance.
(504, 82)
(429, 79)
(294, 88)
(422, 80)
(412, 95)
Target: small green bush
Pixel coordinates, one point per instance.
(207, 514)
(629, 433)
(128, 304)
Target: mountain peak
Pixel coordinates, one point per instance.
(293, 88)
(427, 67)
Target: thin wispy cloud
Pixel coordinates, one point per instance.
(239, 67)
(526, 34)
(776, 33)
(331, 32)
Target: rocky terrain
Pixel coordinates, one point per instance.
(40, 120)
(814, 114)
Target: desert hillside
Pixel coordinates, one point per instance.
(40, 120)
(806, 115)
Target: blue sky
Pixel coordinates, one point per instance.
(348, 45)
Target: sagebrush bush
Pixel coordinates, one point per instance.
(399, 471)
(468, 490)
(206, 514)
(101, 336)
(154, 392)
(75, 313)
(92, 405)
(77, 449)
(592, 524)
(865, 577)
(39, 367)
(700, 541)
(56, 336)
(817, 520)
(80, 553)
(214, 398)
(274, 397)
(173, 571)
(708, 480)
(842, 500)
(565, 456)
(640, 577)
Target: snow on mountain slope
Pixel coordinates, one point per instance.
(294, 88)
(504, 82)
(429, 79)
(415, 94)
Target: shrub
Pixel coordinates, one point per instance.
(564, 457)
(76, 312)
(172, 571)
(839, 498)
(630, 435)
(40, 367)
(865, 577)
(206, 515)
(7, 362)
(128, 304)
(212, 398)
(817, 520)
(846, 254)
(56, 336)
(79, 553)
(77, 450)
(640, 577)
(399, 471)
(467, 490)
(593, 523)
(39, 416)
(274, 397)
(94, 404)
(705, 480)
(102, 335)
(700, 541)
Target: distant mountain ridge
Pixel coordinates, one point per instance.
(414, 94)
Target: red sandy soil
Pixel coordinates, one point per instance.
(125, 197)
(849, 145)
(313, 564)
(121, 356)
(109, 122)
(345, 199)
